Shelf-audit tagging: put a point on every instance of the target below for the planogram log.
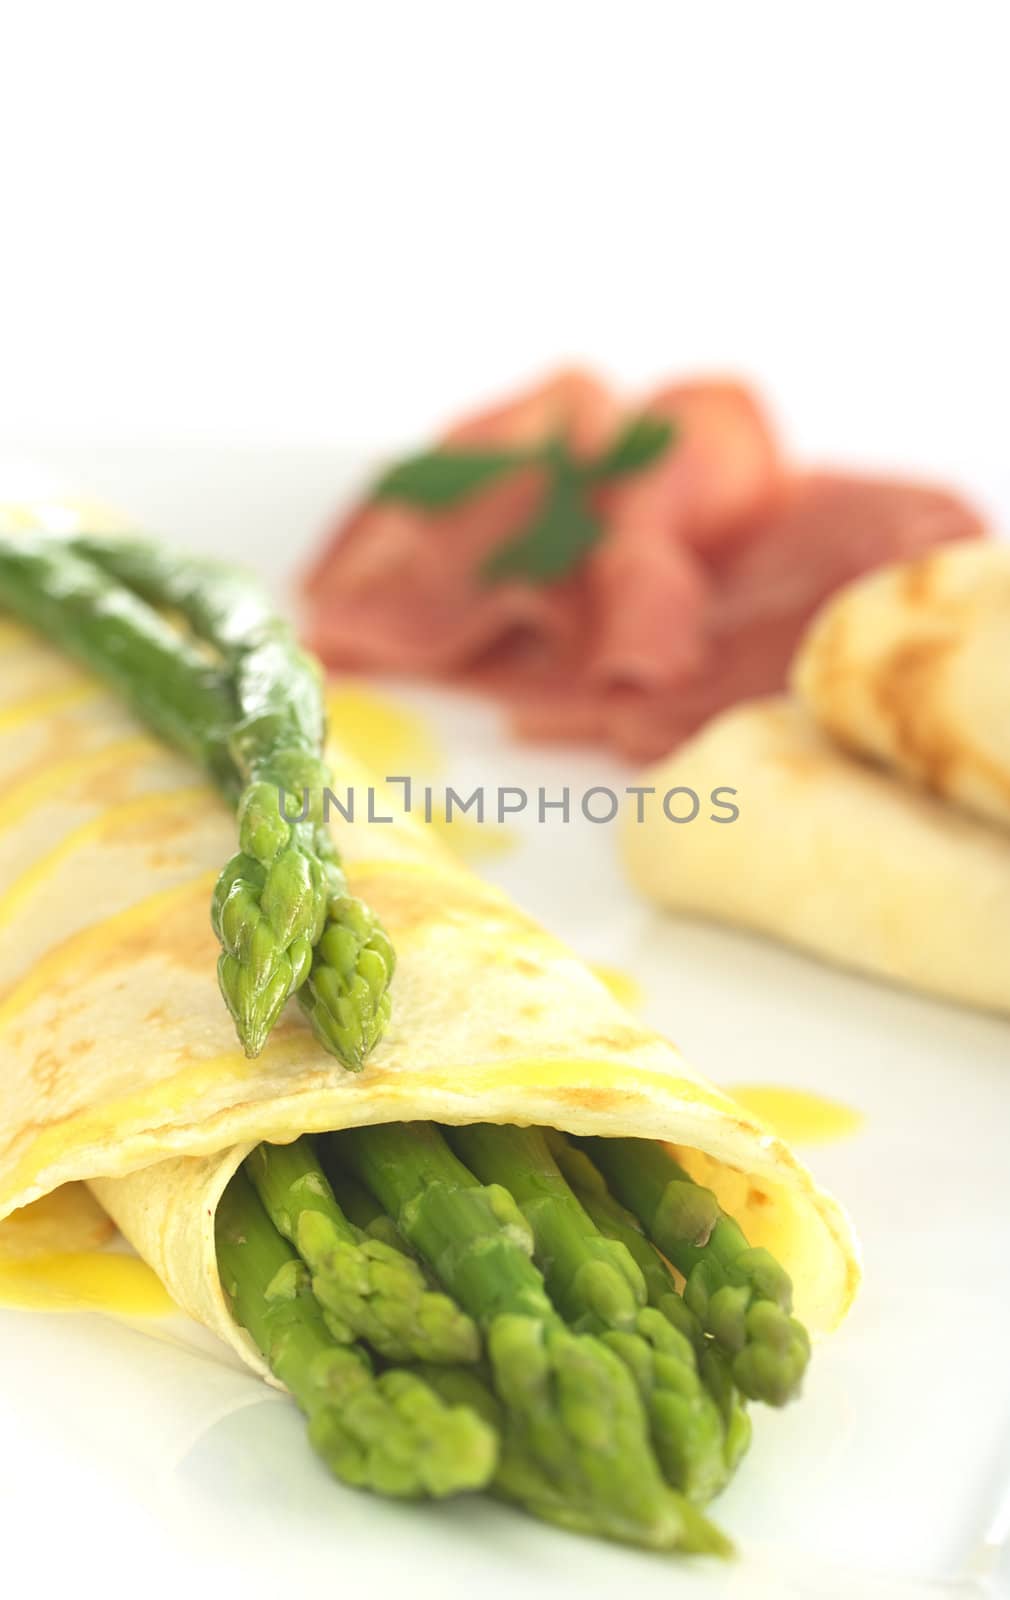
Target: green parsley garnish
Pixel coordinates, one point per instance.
(565, 526)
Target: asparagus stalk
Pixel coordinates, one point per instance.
(390, 1433)
(592, 1281)
(229, 611)
(741, 1295)
(368, 1289)
(360, 1206)
(616, 1222)
(281, 910)
(575, 1418)
(267, 928)
(164, 680)
(596, 1285)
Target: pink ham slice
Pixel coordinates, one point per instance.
(712, 563)
(725, 470)
(648, 595)
(830, 528)
(827, 530)
(399, 589)
(649, 589)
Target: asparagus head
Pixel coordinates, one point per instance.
(576, 1436)
(523, 1478)
(390, 1433)
(616, 1222)
(741, 1295)
(597, 1286)
(281, 911)
(368, 1289)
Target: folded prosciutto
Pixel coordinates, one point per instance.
(710, 560)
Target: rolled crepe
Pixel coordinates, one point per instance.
(120, 1064)
(831, 854)
(911, 666)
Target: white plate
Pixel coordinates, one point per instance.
(146, 1457)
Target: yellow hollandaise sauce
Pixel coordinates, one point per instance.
(83, 1280)
(52, 1259)
(384, 735)
(624, 988)
(393, 740)
(798, 1115)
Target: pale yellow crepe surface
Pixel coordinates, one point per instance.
(120, 1064)
(833, 855)
(911, 665)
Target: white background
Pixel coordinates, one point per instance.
(333, 223)
(327, 227)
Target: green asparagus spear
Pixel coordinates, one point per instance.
(597, 1287)
(523, 1478)
(228, 610)
(574, 1411)
(368, 1290)
(592, 1282)
(717, 1376)
(281, 910)
(164, 680)
(391, 1433)
(346, 994)
(360, 1206)
(741, 1295)
(188, 700)
(616, 1222)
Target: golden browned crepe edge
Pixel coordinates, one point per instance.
(876, 668)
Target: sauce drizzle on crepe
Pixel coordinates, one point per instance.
(799, 1115)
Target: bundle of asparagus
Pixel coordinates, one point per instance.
(552, 1357)
(226, 682)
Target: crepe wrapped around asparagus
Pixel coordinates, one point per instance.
(118, 1054)
(121, 1068)
(831, 854)
(910, 667)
